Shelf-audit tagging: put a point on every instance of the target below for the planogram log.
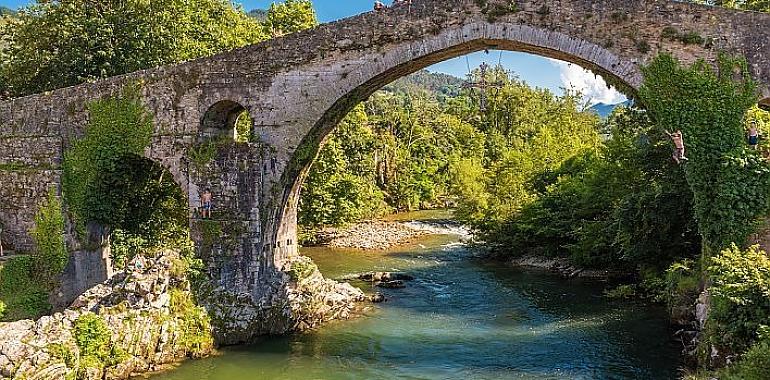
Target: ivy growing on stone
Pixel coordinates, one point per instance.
(51, 256)
(117, 127)
(729, 181)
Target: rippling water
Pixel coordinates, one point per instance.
(460, 319)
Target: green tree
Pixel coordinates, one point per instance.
(54, 44)
(290, 16)
(341, 186)
(527, 131)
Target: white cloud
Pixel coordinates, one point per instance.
(592, 86)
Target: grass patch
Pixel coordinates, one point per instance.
(21, 295)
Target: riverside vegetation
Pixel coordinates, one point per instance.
(609, 197)
(529, 171)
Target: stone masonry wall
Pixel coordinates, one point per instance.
(296, 88)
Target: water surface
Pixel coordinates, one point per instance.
(460, 319)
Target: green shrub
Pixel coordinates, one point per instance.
(124, 247)
(23, 295)
(51, 256)
(94, 341)
(194, 323)
(740, 294)
(301, 269)
(62, 352)
(117, 127)
(92, 336)
(754, 364)
(682, 282)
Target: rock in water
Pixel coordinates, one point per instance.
(377, 298)
(384, 276)
(397, 284)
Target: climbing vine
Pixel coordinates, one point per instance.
(117, 127)
(51, 257)
(729, 181)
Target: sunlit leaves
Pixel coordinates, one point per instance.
(54, 44)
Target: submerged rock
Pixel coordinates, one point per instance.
(384, 276)
(377, 298)
(397, 284)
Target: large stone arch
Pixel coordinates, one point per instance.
(384, 67)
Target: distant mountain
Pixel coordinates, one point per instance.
(5, 11)
(604, 110)
(437, 85)
(258, 14)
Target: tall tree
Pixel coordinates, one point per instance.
(54, 44)
(289, 17)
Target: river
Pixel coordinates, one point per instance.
(460, 319)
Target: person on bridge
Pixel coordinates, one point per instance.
(678, 140)
(206, 204)
(379, 6)
(753, 135)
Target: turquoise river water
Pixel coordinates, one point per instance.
(460, 319)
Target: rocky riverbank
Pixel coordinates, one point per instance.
(383, 235)
(136, 322)
(145, 319)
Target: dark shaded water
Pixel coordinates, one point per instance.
(460, 320)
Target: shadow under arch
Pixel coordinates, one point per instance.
(285, 219)
(222, 119)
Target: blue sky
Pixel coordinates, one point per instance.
(535, 70)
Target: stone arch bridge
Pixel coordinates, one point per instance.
(296, 88)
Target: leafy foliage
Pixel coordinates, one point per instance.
(94, 339)
(290, 16)
(105, 178)
(620, 207)
(26, 281)
(195, 326)
(740, 293)
(23, 295)
(118, 127)
(54, 44)
(729, 181)
(51, 256)
(754, 365)
(340, 188)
